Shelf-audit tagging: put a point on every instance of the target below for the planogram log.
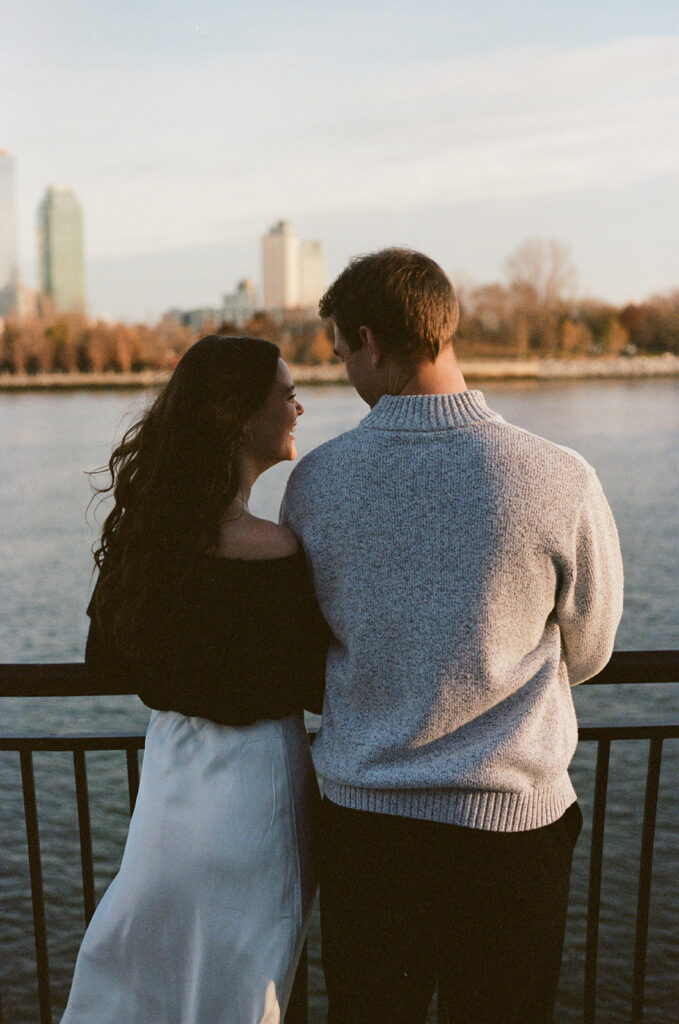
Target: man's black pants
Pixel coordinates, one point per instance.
(404, 902)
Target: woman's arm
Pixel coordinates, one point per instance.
(257, 654)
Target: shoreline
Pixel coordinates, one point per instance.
(595, 368)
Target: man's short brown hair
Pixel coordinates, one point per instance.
(402, 296)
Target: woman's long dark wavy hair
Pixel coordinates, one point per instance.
(171, 477)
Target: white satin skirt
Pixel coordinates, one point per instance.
(217, 880)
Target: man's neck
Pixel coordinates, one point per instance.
(442, 377)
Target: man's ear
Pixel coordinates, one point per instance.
(374, 348)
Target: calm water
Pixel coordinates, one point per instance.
(628, 430)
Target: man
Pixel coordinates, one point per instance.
(471, 574)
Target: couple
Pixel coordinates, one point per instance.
(446, 577)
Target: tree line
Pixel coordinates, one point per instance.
(70, 343)
(534, 314)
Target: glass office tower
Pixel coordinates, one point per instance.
(60, 250)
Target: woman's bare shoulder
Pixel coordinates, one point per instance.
(253, 538)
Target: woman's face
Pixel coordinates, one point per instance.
(270, 431)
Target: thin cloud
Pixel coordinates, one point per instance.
(521, 120)
(518, 123)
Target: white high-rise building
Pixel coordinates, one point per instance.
(293, 272)
(9, 256)
(280, 267)
(311, 274)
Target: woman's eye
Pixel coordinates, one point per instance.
(292, 397)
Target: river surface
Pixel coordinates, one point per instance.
(629, 430)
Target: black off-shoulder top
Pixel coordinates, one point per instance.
(253, 645)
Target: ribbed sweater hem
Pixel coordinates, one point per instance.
(492, 810)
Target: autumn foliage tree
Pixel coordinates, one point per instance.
(542, 284)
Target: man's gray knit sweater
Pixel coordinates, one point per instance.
(471, 573)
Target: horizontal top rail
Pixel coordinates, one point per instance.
(637, 667)
(73, 741)
(617, 731)
(71, 679)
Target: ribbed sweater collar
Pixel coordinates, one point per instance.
(429, 412)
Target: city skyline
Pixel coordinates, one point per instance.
(458, 132)
(292, 278)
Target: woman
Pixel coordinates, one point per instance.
(209, 613)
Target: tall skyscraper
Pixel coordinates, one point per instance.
(293, 272)
(280, 267)
(9, 258)
(60, 250)
(311, 273)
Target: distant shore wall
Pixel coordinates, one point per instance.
(666, 365)
(635, 367)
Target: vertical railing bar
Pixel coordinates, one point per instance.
(132, 776)
(37, 896)
(595, 869)
(82, 797)
(645, 872)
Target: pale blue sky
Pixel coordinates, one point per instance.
(187, 128)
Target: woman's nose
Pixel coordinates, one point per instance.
(300, 408)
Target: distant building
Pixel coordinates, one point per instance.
(280, 267)
(203, 320)
(293, 271)
(9, 257)
(60, 250)
(240, 306)
(237, 309)
(311, 274)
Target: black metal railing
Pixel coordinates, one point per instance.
(68, 680)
